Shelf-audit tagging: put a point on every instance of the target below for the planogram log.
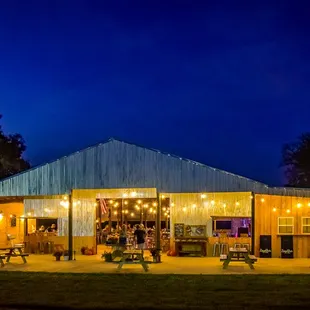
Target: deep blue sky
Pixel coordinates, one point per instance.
(223, 84)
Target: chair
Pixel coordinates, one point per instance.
(10, 239)
(247, 246)
(237, 245)
(216, 249)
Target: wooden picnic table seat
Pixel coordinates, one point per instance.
(253, 258)
(223, 257)
(117, 259)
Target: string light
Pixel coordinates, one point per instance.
(65, 197)
(203, 196)
(262, 200)
(139, 201)
(115, 212)
(194, 206)
(274, 209)
(309, 204)
(125, 195)
(163, 197)
(145, 206)
(126, 211)
(164, 209)
(116, 204)
(133, 194)
(184, 209)
(154, 204)
(29, 213)
(132, 214)
(224, 205)
(251, 197)
(237, 203)
(111, 201)
(11, 215)
(79, 202)
(95, 204)
(212, 202)
(172, 204)
(288, 211)
(299, 205)
(126, 202)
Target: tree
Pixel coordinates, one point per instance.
(296, 160)
(12, 148)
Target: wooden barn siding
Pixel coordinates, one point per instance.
(118, 164)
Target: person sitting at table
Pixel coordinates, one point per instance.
(52, 228)
(42, 229)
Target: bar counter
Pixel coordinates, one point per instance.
(230, 240)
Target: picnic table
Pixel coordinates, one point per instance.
(238, 255)
(12, 251)
(131, 257)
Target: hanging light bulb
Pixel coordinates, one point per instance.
(139, 201)
(309, 204)
(125, 195)
(95, 204)
(126, 202)
(131, 214)
(115, 212)
(288, 211)
(164, 209)
(163, 197)
(194, 206)
(111, 201)
(237, 203)
(299, 205)
(154, 204)
(212, 202)
(184, 209)
(224, 205)
(262, 200)
(126, 211)
(79, 202)
(65, 197)
(203, 196)
(29, 213)
(133, 194)
(274, 209)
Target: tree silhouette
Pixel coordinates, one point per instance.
(12, 148)
(296, 160)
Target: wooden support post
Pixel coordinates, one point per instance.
(158, 225)
(253, 224)
(70, 226)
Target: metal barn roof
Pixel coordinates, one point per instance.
(118, 164)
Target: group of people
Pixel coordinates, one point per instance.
(125, 234)
(51, 228)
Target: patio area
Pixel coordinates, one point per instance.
(169, 265)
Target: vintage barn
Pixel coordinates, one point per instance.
(119, 182)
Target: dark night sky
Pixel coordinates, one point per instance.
(221, 84)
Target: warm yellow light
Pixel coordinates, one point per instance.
(115, 212)
(163, 197)
(274, 209)
(110, 201)
(139, 201)
(133, 194)
(131, 214)
(46, 210)
(237, 203)
(164, 209)
(65, 197)
(154, 204)
(1, 216)
(137, 207)
(154, 211)
(151, 210)
(168, 215)
(309, 204)
(299, 205)
(29, 213)
(123, 211)
(262, 200)
(288, 211)
(172, 204)
(79, 202)
(224, 205)
(74, 204)
(184, 209)
(116, 204)
(146, 205)
(125, 195)
(97, 221)
(126, 211)
(126, 202)
(194, 206)
(95, 204)
(251, 197)
(11, 215)
(203, 196)
(212, 202)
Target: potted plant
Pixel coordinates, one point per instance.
(66, 255)
(58, 254)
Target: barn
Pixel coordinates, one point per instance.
(118, 182)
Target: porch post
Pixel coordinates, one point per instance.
(70, 227)
(158, 224)
(253, 224)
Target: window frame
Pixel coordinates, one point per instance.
(293, 224)
(302, 225)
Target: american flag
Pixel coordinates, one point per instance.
(103, 205)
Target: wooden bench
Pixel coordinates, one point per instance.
(2, 257)
(117, 259)
(253, 258)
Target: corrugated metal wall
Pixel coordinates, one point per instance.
(117, 164)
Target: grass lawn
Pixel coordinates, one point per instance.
(148, 291)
